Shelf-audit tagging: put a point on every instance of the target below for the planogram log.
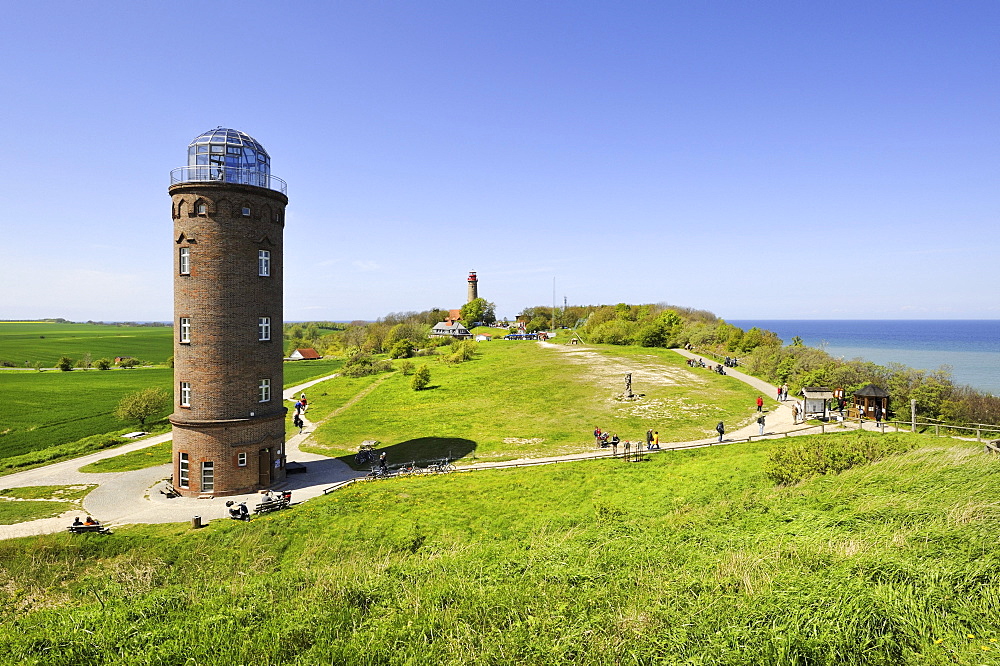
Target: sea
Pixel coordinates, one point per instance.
(969, 347)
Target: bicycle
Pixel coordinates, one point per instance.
(442, 466)
(410, 469)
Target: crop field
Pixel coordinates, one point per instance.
(29, 342)
(522, 399)
(692, 557)
(43, 409)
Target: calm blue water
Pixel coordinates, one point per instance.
(970, 347)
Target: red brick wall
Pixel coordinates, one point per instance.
(224, 362)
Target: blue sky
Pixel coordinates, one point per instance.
(762, 160)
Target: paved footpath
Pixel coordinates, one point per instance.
(123, 498)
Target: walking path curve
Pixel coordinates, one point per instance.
(135, 497)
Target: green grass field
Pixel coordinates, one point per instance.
(693, 557)
(47, 342)
(33, 502)
(518, 399)
(299, 372)
(151, 456)
(44, 410)
(41, 410)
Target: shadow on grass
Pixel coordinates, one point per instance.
(421, 450)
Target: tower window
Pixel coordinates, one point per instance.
(246, 211)
(183, 471)
(185, 328)
(241, 459)
(202, 209)
(185, 394)
(263, 328)
(264, 262)
(184, 261)
(265, 390)
(207, 476)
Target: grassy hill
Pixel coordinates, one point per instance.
(520, 399)
(694, 557)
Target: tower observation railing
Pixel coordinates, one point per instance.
(224, 174)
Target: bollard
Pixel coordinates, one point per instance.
(195, 522)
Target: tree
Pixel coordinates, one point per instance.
(478, 310)
(65, 364)
(128, 362)
(402, 349)
(421, 378)
(105, 363)
(140, 405)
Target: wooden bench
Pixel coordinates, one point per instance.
(83, 529)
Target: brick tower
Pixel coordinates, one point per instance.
(473, 287)
(229, 216)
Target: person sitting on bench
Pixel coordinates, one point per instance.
(90, 521)
(77, 522)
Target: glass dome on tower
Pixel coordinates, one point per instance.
(229, 156)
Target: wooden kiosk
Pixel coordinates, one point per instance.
(871, 402)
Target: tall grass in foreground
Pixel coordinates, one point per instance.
(695, 557)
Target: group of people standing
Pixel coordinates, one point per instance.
(604, 439)
(783, 393)
(301, 405)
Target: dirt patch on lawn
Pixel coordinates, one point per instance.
(608, 372)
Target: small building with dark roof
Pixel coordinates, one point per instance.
(871, 401)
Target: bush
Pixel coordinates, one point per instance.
(406, 367)
(362, 365)
(65, 364)
(104, 364)
(421, 378)
(402, 349)
(794, 462)
(140, 405)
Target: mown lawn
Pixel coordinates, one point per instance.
(151, 456)
(520, 399)
(18, 505)
(693, 557)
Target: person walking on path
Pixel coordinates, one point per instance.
(795, 414)
(597, 435)
(760, 403)
(784, 392)
(779, 394)
(628, 447)
(721, 429)
(614, 445)
(656, 440)
(649, 439)
(760, 422)
(382, 463)
(298, 422)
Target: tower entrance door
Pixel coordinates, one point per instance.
(264, 467)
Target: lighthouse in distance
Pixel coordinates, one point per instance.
(473, 287)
